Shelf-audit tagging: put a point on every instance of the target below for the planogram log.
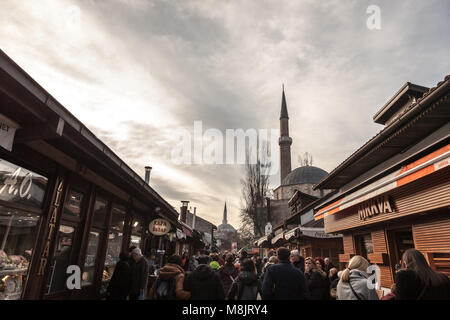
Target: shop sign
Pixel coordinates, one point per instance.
(51, 228)
(19, 185)
(374, 207)
(159, 227)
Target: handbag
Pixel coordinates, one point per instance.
(353, 290)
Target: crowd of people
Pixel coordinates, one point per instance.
(282, 275)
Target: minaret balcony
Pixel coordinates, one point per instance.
(285, 140)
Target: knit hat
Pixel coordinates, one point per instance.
(137, 251)
(214, 265)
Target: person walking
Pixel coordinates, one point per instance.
(353, 284)
(170, 281)
(318, 285)
(272, 260)
(247, 285)
(283, 281)
(203, 283)
(417, 281)
(139, 275)
(297, 260)
(120, 283)
(228, 273)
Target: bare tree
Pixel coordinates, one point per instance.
(255, 187)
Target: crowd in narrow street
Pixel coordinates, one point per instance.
(282, 275)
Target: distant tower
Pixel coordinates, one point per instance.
(285, 141)
(224, 220)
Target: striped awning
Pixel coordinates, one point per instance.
(433, 162)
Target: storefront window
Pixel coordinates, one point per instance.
(115, 238)
(91, 258)
(18, 227)
(61, 259)
(72, 206)
(17, 236)
(99, 212)
(136, 233)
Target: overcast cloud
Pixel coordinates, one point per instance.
(133, 71)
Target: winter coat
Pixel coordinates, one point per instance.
(204, 284)
(282, 281)
(139, 276)
(318, 285)
(358, 280)
(172, 271)
(227, 272)
(300, 265)
(410, 287)
(245, 287)
(120, 283)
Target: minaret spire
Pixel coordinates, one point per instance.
(224, 221)
(285, 141)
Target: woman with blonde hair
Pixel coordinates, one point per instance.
(353, 284)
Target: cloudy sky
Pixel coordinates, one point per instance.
(134, 71)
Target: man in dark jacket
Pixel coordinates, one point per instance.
(120, 283)
(203, 283)
(283, 281)
(139, 276)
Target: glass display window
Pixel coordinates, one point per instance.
(61, 258)
(100, 207)
(114, 246)
(73, 203)
(90, 259)
(18, 230)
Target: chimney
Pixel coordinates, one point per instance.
(147, 174)
(193, 218)
(183, 210)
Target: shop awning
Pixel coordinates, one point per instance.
(317, 233)
(277, 238)
(181, 234)
(260, 241)
(427, 165)
(289, 235)
(186, 231)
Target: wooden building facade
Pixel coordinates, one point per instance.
(65, 199)
(394, 192)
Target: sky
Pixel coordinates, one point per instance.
(136, 71)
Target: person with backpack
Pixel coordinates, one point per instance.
(204, 283)
(170, 281)
(228, 273)
(247, 285)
